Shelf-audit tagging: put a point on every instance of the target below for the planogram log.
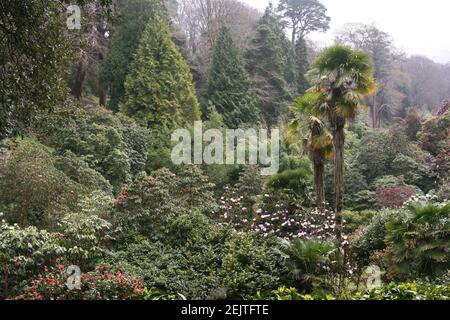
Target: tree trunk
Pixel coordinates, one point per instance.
(102, 97)
(294, 33)
(319, 170)
(338, 144)
(80, 74)
(374, 112)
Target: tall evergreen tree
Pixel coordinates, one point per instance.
(266, 65)
(159, 92)
(228, 87)
(134, 16)
(302, 66)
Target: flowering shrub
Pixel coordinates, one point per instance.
(443, 108)
(276, 213)
(394, 197)
(104, 283)
(23, 253)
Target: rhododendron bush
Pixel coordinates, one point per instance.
(104, 283)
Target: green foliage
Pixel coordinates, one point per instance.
(159, 92)
(85, 232)
(79, 171)
(228, 88)
(149, 203)
(32, 190)
(266, 65)
(352, 66)
(354, 220)
(413, 125)
(407, 291)
(249, 265)
(386, 182)
(134, 16)
(304, 16)
(298, 181)
(161, 267)
(34, 59)
(111, 144)
(414, 173)
(362, 200)
(376, 164)
(302, 64)
(418, 242)
(23, 254)
(286, 294)
(309, 261)
(205, 261)
(364, 246)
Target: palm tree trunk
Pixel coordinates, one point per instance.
(319, 169)
(338, 144)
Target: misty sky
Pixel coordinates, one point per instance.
(418, 27)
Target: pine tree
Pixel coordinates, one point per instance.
(159, 92)
(301, 53)
(266, 64)
(228, 87)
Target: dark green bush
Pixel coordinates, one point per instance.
(419, 242)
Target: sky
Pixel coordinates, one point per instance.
(416, 26)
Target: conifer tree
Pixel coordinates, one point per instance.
(134, 17)
(228, 87)
(266, 63)
(159, 89)
(159, 92)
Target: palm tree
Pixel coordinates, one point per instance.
(343, 77)
(306, 260)
(318, 144)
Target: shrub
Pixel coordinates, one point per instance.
(281, 220)
(363, 200)
(104, 283)
(111, 144)
(79, 171)
(249, 265)
(297, 181)
(23, 254)
(310, 263)
(418, 242)
(32, 190)
(371, 238)
(355, 220)
(284, 293)
(394, 197)
(406, 291)
(150, 203)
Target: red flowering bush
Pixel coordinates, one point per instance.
(104, 283)
(394, 197)
(443, 108)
